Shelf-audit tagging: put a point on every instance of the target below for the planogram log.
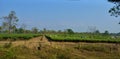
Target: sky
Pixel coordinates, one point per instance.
(78, 15)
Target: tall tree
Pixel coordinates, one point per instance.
(10, 21)
(4, 26)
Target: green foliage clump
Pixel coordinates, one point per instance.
(6, 52)
(8, 55)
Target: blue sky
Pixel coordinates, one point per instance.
(62, 14)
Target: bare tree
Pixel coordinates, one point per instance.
(91, 29)
(23, 26)
(35, 30)
(4, 26)
(10, 21)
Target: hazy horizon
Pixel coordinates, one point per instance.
(62, 14)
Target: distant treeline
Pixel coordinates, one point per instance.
(9, 25)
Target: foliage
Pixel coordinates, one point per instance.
(97, 32)
(85, 51)
(20, 30)
(34, 30)
(6, 53)
(10, 21)
(115, 10)
(106, 33)
(17, 36)
(83, 38)
(114, 0)
(69, 31)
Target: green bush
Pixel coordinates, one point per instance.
(83, 38)
(8, 55)
(17, 36)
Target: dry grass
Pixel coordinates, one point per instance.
(61, 50)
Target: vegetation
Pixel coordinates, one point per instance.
(9, 31)
(9, 23)
(84, 37)
(17, 36)
(77, 51)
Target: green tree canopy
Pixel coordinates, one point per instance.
(106, 32)
(115, 10)
(114, 0)
(69, 31)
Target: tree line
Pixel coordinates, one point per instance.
(9, 25)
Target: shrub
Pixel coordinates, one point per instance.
(7, 45)
(8, 55)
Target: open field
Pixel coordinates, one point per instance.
(28, 49)
(59, 29)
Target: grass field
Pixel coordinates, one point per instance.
(57, 50)
(76, 51)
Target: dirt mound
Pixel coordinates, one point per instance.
(31, 43)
